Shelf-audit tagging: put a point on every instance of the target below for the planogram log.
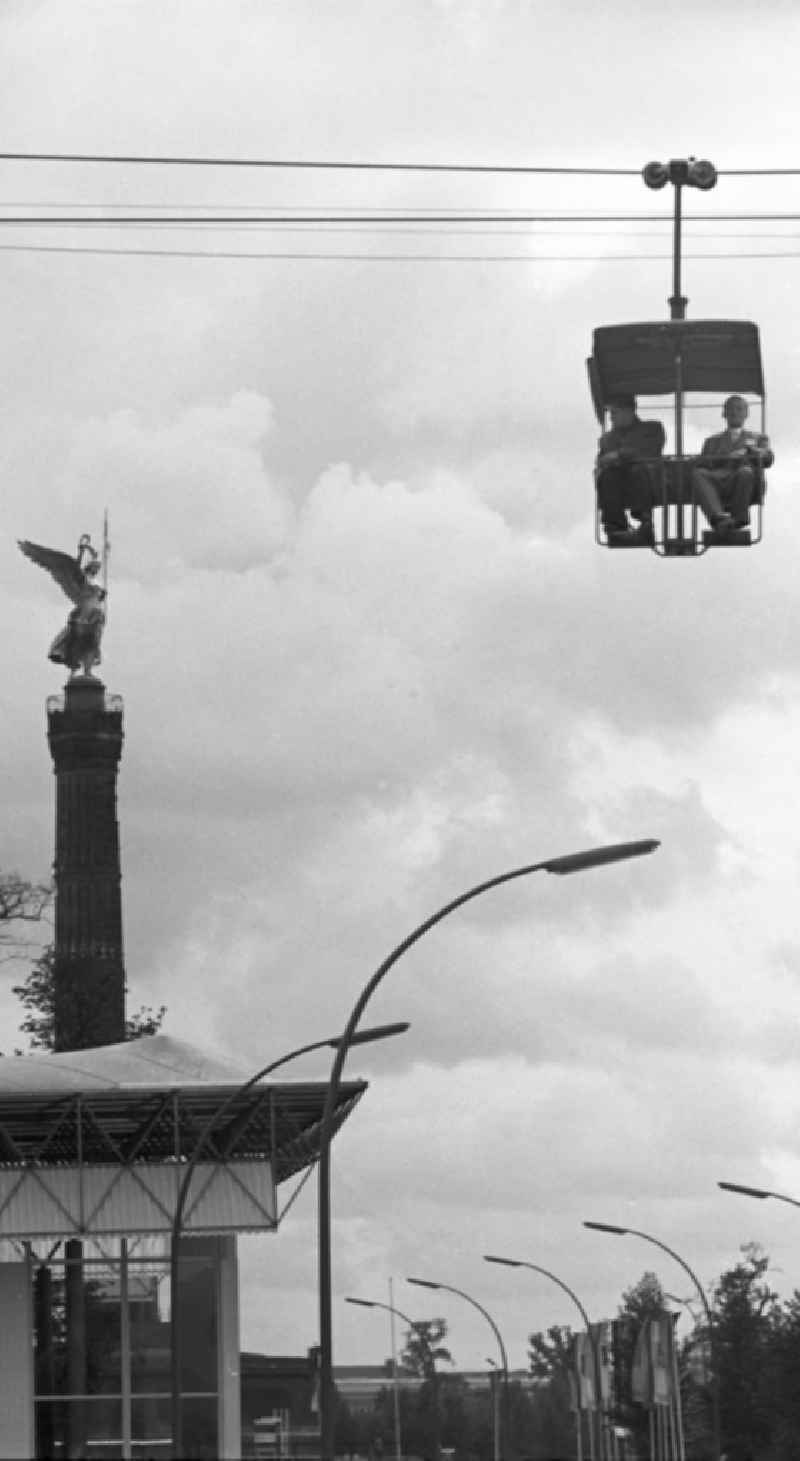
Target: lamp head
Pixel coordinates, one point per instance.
(578, 862)
(606, 1228)
(744, 1191)
(506, 1262)
(363, 1303)
(375, 1032)
(423, 1283)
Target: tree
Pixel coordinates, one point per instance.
(21, 902)
(746, 1323)
(643, 1301)
(782, 1382)
(423, 1347)
(551, 1358)
(37, 995)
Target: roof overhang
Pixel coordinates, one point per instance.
(95, 1142)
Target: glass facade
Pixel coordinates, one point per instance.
(102, 1334)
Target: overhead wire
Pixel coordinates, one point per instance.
(364, 165)
(371, 258)
(348, 218)
(378, 218)
(315, 164)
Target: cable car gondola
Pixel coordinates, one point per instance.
(681, 358)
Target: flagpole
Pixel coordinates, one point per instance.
(676, 1386)
(398, 1447)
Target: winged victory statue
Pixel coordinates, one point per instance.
(78, 644)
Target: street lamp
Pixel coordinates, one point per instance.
(420, 1330)
(760, 1192)
(365, 1037)
(560, 866)
(648, 1238)
(536, 1268)
(426, 1283)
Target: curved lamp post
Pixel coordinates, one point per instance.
(684, 1303)
(760, 1192)
(561, 866)
(493, 1377)
(648, 1238)
(536, 1268)
(365, 1037)
(425, 1283)
(412, 1324)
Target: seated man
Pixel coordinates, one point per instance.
(624, 479)
(724, 476)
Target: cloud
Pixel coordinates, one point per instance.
(369, 652)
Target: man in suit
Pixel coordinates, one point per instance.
(624, 478)
(724, 476)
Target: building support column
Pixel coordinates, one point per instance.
(76, 1348)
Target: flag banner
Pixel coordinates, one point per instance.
(603, 1340)
(623, 1332)
(584, 1370)
(700, 1362)
(641, 1368)
(661, 1358)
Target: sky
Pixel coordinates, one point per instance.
(369, 652)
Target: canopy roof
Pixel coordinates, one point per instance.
(723, 356)
(148, 1100)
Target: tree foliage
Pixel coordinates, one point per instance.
(747, 1320)
(551, 1355)
(37, 996)
(21, 902)
(423, 1347)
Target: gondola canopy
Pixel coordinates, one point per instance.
(719, 356)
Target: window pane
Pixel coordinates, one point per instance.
(148, 1306)
(77, 1330)
(151, 1426)
(197, 1295)
(151, 1421)
(101, 1290)
(79, 1428)
(200, 1428)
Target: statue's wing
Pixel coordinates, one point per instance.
(60, 566)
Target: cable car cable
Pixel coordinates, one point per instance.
(361, 165)
(310, 164)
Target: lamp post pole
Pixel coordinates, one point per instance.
(493, 1378)
(425, 1283)
(561, 866)
(420, 1330)
(378, 1032)
(648, 1238)
(536, 1268)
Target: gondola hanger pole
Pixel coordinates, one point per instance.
(678, 301)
